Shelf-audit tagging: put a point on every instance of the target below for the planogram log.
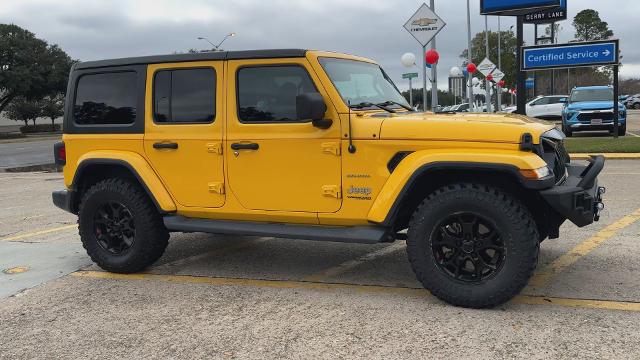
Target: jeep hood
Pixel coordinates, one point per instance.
(503, 128)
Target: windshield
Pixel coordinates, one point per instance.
(592, 95)
(360, 82)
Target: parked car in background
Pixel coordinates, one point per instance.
(633, 102)
(546, 107)
(464, 107)
(591, 108)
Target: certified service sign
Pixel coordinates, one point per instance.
(424, 25)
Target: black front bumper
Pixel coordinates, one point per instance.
(64, 200)
(578, 198)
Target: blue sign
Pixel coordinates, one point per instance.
(570, 55)
(548, 15)
(515, 7)
(531, 83)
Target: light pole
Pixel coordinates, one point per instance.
(434, 72)
(499, 88)
(470, 88)
(217, 47)
(488, 82)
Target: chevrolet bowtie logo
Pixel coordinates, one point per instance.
(424, 22)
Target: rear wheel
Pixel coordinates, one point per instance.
(120, 227)
(472, 245)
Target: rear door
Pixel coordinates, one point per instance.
(183, 132)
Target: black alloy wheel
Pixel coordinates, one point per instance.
(114, 227)
(467, 247)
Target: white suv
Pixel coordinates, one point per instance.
(547, 107)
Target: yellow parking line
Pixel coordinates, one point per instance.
(541, 278)
(348, 265)
(40, 232)
(368, 289)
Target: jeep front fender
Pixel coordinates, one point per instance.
(420, 162)
(138, 166)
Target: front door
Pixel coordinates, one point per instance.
(275, 161)
(183, 131)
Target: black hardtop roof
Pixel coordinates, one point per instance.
(204, 56)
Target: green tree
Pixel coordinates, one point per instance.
(590, 27)
(52, 107)
(507, 49)
(22, 109)
(29, 67)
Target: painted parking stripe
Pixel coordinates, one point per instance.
(366, 289)
(543, 277)
(350, 264)
(38, 233)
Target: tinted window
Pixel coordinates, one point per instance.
(268, 94)
(184, 96)
(108, 98)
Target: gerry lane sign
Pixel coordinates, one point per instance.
(548, 15)
(594, 53)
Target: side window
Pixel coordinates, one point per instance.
(106, 99)
(268, 93)
(184, 96)
(542, 101)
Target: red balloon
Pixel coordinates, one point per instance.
(501, 83)
(432, 57)
(490, 77)
(471, 68)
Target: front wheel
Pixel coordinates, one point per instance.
(473, 245)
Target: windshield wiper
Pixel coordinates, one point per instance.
(363, 105)
(391, 102)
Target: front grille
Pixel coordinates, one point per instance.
(556, 157)
(587, 117)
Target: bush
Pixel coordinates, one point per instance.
(5, 136)
(30, 129)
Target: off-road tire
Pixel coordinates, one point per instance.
(150, 239)
(518, 232)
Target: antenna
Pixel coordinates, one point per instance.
(351, 148)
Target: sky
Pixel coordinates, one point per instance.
(100, 29)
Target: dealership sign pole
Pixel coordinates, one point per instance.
(559, 56)
(423, 26)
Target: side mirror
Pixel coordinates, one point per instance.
(311, 107)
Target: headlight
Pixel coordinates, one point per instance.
(536, 174)
(554, 134)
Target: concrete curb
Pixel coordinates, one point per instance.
(611, 156)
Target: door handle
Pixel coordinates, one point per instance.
(165, 145)
(245, 146)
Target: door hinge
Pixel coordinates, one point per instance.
(216, 187)
(332, 148)
(332, 190)
(214, 148)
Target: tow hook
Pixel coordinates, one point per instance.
(599, 205)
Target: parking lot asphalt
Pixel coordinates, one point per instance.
(234, 297)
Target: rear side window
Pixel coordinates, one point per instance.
(184, 96)
(267, 94)
(106, 99)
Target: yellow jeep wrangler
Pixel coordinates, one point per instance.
(311, 145)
